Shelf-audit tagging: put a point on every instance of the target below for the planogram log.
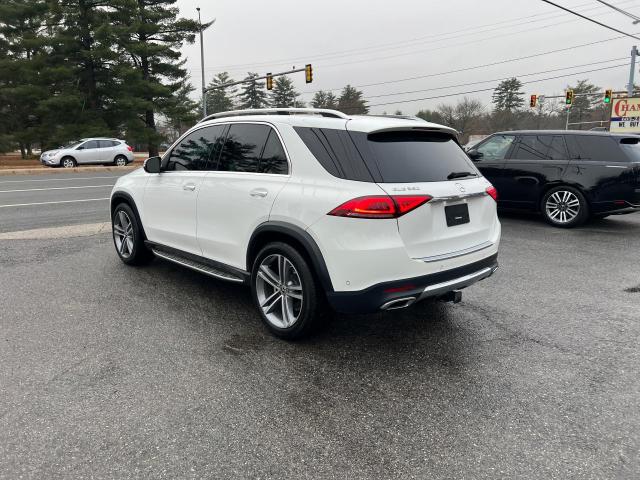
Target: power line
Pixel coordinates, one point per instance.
(617, 9)
(401, 44)
(493, 88)
(590, 19)
(496, 79)
(475, 67)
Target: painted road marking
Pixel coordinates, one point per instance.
(67, 231)
(53, 203)
(55, 188)
(57, 179)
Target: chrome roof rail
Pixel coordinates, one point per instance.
(278, 111)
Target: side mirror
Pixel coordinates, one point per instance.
(474, 154)
(152, 165)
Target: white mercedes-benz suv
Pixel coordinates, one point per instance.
(312, 206)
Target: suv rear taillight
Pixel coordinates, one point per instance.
(492, 192)
(130, 148)
(380, 206)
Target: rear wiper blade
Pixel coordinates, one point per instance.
(453, 175)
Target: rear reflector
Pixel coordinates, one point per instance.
(492, 192)
(130, 148)
(380, 206)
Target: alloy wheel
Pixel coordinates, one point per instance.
(123, 234)
(279, 291)
(562, 206)
(120, 162)
(67, 163)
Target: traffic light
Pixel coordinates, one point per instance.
(269, 81)
(534, 101)
(569, 98)
(607, 96)
(308, 73)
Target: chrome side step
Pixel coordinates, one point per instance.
(197, 266)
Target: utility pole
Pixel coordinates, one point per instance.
(632, 72)
(204, 89)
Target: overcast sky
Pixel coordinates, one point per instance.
(370, 41)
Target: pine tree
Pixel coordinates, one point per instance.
(150, 35)
(220, 99)
(351, 101)
(23, 60)
(323, 99)
(507, 96)
(252, 95)
(583, 105)
(283, 94)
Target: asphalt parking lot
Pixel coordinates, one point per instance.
(108, 371)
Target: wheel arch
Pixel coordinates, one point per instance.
(68, 156)
(123, 197)
(295, 236)
(563, 183)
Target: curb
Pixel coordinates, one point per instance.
(51, 171)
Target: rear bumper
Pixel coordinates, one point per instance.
(383, 295)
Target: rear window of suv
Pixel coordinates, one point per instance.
(413, 156)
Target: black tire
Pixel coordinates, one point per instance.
(311, 308)
(134, 252)
(68, 162)
(565, 207)
(120, 161)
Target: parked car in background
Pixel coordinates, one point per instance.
(568, 176)
(89, 151)
(313, 206)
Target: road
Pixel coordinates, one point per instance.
(108, 371)
(39, 201)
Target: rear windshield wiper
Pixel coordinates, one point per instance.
(453, 175)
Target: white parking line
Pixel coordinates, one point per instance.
(57, 179)
(55, 188)
(53, 203)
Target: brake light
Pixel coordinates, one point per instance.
(492, 192)
(130, 148)
(380, 206)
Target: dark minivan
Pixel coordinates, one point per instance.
(568, 176)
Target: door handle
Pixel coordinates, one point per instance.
(189, 186)
(259, 192)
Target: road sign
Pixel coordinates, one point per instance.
(625, 115)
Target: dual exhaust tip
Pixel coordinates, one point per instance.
(454, 296)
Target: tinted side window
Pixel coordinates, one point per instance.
(273, 158)
(243, 147)
(631, 146)
(553, 146)
(496, 147)
(594, 148)
(194, 151)
(91, 144)
(531, 148)
(106, 143)
(336, 152)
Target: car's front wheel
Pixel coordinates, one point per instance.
(128, 238)
(285, 291)
(565, 207)
(68, 162)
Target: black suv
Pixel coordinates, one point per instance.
(569, 176)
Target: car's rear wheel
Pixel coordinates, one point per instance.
(128, 238)
(565, 207)
(68, 162)
(120, 161)
(285, 291)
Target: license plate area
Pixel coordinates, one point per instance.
(457, 214)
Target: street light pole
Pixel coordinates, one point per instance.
(204, 88)
(632, 72)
